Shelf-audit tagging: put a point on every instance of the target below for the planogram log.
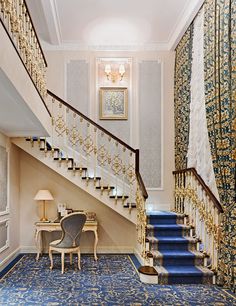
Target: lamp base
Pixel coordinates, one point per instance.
(43, 219)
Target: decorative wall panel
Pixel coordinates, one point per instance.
(150, 126)
(4, 235)
(120, 128)
(3, 181)
(78, 85)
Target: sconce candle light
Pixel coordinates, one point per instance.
(113, 75)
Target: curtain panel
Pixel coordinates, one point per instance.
(220, 95)
(199, 153)
(182, 98)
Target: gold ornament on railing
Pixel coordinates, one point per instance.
(103, 156)
(17, 21)
(141, 221)
(189, 191)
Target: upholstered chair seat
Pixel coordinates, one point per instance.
(71, 226)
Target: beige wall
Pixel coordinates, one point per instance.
(116, 234)
(56, 76)
(13, 198)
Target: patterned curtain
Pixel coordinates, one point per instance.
(182, 98)
(220, 97)
(199, 152)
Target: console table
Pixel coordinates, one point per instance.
(55, 226)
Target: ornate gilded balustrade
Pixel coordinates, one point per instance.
(194, 199)
(106, 157)
(15, 18)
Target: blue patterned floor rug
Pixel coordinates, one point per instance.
(112, 280)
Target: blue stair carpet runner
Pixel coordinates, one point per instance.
(174, 252)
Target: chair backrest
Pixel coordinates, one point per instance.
(72, 226)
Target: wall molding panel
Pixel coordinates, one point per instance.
(4, 181)
(4, 235)
(151, 123)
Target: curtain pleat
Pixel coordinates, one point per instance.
(182, 98)
(220, 97)
(199, 153)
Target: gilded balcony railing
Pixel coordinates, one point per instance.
(194, 199)
(106, 157)
(15, 18)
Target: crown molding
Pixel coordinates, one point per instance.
(53, 22)
(57, 44)
(188, 15)
(84, 47)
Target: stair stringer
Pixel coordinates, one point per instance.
(47, 160)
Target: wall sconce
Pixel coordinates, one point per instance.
(113, 76)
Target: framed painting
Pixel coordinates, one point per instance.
(113, 103)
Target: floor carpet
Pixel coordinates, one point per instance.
(112, 280)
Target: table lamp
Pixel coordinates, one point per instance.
(43, 195)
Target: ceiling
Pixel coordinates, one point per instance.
(112, 25)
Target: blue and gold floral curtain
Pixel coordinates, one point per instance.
(182, 98)
(220, 97)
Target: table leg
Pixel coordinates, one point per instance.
(38, 240)
(95, 244)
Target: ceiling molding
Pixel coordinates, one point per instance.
(84, 47)
(53, 22)
(187, 17)
(50, 9)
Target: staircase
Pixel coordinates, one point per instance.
(107, 168)
(66, 166)
(174, 251)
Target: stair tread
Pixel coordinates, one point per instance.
(77, 168)
(119, 196)
(167, 226)
(63, 158)
(160, 213)
(164, 214)
(91, 178)
(49, 149)
(184, 270)
(133, 205)
(177, 253)
(105, 187)
(172, 239)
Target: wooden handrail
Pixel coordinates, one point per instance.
(91, 121)
(204, 186)
(27, 9)
(141, 185)
(135, 151)
(139, 177)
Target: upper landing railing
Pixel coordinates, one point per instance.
(16, 20)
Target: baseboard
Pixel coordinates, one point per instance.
(28, 249)
(113, 250)
(5, 262)
(139, 257)
(88, 250)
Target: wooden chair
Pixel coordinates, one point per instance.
(72, 226)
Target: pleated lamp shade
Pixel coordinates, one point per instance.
(43, 195)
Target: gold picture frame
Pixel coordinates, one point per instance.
(113, 103)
